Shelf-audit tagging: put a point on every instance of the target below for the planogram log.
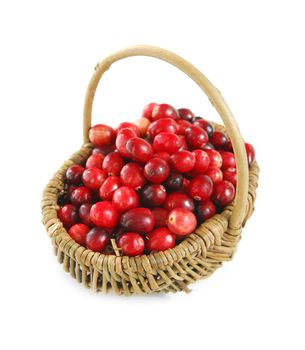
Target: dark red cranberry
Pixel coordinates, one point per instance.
(81, 195)
(230, 175)
(148, 109)
(84, 214)
(63, 198)
(201, 187)
(205, 125)
(181, 221)
(127, 125)
(186, 114)
(156, 170)
(219, 139)
(79, 232)
(183, 161)
(95, 161)
(121, 141)
(97, 239)
(167, 142)
(204, 211)
(139, 220)
(160, 215)
(223, 193)
(215, 174)
(104, 214)
(164, 111)
(74, 174)
(113, 164)
(139, 150)
(104, 150)
(250, 153)
(93, 178)
(132, 175)
(160, 239)
(162, 125)
(68, 215)
(196, 137)
(102, 135)
(179, 200)
(174, 182)
(110, 185)
(124, 199)
(131, 243)
(208, 146)
(153, 195)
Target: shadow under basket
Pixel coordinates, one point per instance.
(199, 254)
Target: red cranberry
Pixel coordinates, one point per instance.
(125, 198)
(156, 170)
(127, 125)
(215, 157)
(202, 161)
(132, 175)
(97, 239)
(153, 195)
(182, 126)
(74, 174)
(102, 135)
(223, 193)
(166, 142)
(71, 188)
(93, 178)
(228, 160)
(184, 146)
(95, 161)
(113, 164)
(208, 146)
(204, 211)
(81, 195)
(140, 220)
(200, 187)
(205, 125)
(121, 141)
(183, 161)
(104, 150)
(84, 214)
(162, 155)
(111, 184)
(196, 137)
(68, 215)
(219, 139)
(139, 150)
(228, 147)
(142, 124)
(230, 175)
(148, 109)
(162, 125)
(178, 200)
(104, 214)
(131, 243)
(185, 185)
(160, 239)
(160, 215)
(215, 174)
(78, 232)
(174, 182)
(186, 114)
(164, 111)
(250, 153)
(181, 221)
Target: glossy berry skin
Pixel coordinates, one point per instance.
(93, 178)
(84, 214)
(186, 114)
(182, 126)
(223, 193)
(139, 220)
(184, 145)
(104, 150)
(164, 110)
(174, 182)
(124, 199)
(68, 215)
(121, 141)
(204, 211)
(131, 243)
(132, 175)
(202, 161)
(215, 174)
(228, 160)
(179, 200)
(74, 174)
(97, 239)
(196, 137)
(181, 221)
(79, 232)
(142, 124)
(102, 135)
(139, 150)
(167, 142)
(113, 164)
(128, 125)
(200, 187)
(110, 185)
(205, 125)
(104, 214)
(162, 155)
(162, 125)
(81, 195)
(215, 157)
(95, 161)
(250, 153)
(160, 240)
(160, 215)
(208, 146)
(156, 170)
(148, 109)
(230, 175)
(153, 195)
(183, 161)
(219, 139)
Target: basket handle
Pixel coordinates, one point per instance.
(215, 98)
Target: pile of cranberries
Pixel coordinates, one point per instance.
(150, 183)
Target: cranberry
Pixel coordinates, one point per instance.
(164, 111)
(182, 126)
(208, 146)
(185, 185)
(162, 125)
(97, 239)
(110, 185)
(215, 157)
(156, 170)
(132, 175)
(153, 195)
(196, 137)
(93, 178)
(181, 221)
(202, 161)
(160, 239)
(127, 125)
(95, 161)
(74, 174)
(200, 187)
(204, 211)
(228, 160)
(142, 124)
(104, 214)
(140, 220)
(183, 161)
(219, 139)
(102, 135)
(121, 140)
(113, 164)
(139, 150)
(84, 214)
(148, 109)
(71, 188)
(174, 182)
(104, 150)
(68, 215)
(81, 195)
(63, 198)
(125, 198)
(162, 155)
(131, 243)
(179, 200)
(215, 174)
(186, 114)
(78, 232)
(205, 125)
(160, 215)
(223, 193)
(184, 145)
(230, 175)
(250, 153)
(228, 147)
(167, 142)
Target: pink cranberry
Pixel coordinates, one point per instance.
(113, 164)
(68, 215)
(160, 215)
(110, 185)
(97, 239)
(162, 125)
(160, 239)
(139, 150)
(81, 195)
(104, 214)
(139, 220)
(124, 199)
(153, 195)
(84, 214)
(196, 137)
(201, 187)
(204, 211)
(132, 175)
(179, 200)
(183, 161)
(102, 135)
(74, 174)
(223, 193)
(164, 111)
(156, 170)
(79, 232)
(127, 125)
(148, 109)
(131, 243)
(215, 174)
(181, 221)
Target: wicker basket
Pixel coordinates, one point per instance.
(199, 255)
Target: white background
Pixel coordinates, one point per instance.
(253, 51)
